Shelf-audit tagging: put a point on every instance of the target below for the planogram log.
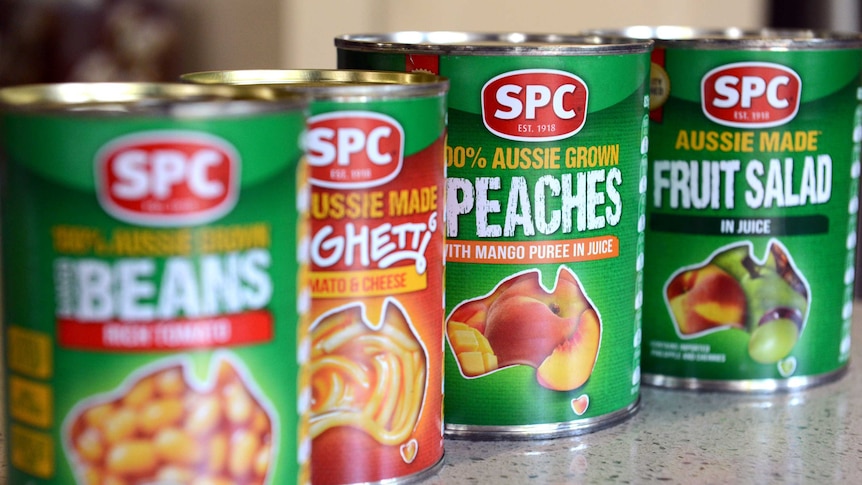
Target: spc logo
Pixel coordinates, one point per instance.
(535, 105)
(751, 94)
(167, 178)
(353, 149)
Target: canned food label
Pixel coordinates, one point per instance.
(751, 94)
(376, 248)
(754, 176)
(545, 190)
(151, 316)
(522, 105)
(167, 178)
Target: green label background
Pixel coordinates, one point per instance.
(617, 88)
(829, 104)
(48, 180)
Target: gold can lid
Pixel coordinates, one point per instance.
(157, 99)
(330, 83)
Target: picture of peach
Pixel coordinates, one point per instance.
(556, 331)
(706, 298)
(526, 323)
(162, 428)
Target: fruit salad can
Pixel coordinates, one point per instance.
(546, 188)
(375, 148)
(754, 164)
(152, 284)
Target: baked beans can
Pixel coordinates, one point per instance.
(152, 284)
(752, 208)
(546, 161)
(375, 151)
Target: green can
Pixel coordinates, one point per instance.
(152, 283)
(546, 187)
(752, 208)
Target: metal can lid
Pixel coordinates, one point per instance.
(341, 84)
(148, 99)
(494, 44)
(732, 38)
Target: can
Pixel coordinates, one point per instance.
(375, 151)
(546, 161)
(151, 315)
(752, 215)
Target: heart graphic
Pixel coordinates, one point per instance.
(409, 451)
(580, 404)
(787, 366)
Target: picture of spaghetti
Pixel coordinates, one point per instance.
(368, 379)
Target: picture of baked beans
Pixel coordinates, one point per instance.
(162, 429)
(368, 379)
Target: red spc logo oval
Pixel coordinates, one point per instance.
(535, 105)
(353, 149)
(751, 94)
(167, 178)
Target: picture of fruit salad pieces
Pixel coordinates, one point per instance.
(369, 379)
(159, 427)
(706, 298)
(767, 298)
(557, 331)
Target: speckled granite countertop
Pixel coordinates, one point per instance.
(811, 436)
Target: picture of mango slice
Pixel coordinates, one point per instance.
(473, 350)
(160, 428)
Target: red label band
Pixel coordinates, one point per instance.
(219, 331)
(422, 63)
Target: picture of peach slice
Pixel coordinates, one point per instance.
(571, 362)
(706, 298)
(162, 427)
(556, 330)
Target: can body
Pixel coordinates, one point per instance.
(752, 213)
(546, 158)
(150, 285)
(375, 152)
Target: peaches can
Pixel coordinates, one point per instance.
(752, 208)
(374, 148)
(545, 191)
(152, 284)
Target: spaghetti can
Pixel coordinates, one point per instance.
(375, 151)
(151, 290)
(546, 160)
(752, 213)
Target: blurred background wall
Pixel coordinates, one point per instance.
(60, 40)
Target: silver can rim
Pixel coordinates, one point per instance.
(733, 38)
(494, 43)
